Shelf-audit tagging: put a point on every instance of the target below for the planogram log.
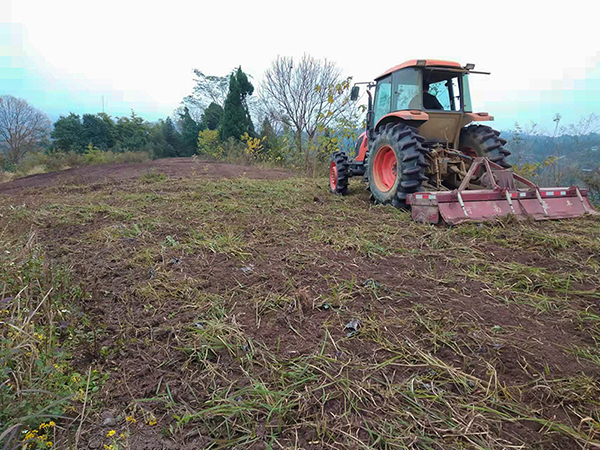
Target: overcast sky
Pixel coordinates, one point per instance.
(64, 55)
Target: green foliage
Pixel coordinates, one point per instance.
(189, 133)
(40, 162)
(274, 145)
(532, 171)
(133, 133)
(211, 118)
(73, 134)
(165, 140)
(236, 120)
(209, 143)
(98, 130)
(41, 325)
(68, 133)
(592, 181)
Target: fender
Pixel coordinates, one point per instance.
(362, 145)
(412, 117)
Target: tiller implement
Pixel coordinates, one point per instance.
(421, 150)
(501, 199)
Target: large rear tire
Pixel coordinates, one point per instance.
(396, 164)
(339, 173)
(481, 140)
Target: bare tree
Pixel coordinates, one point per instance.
(307, 97)
(208, 89)
(22, 127)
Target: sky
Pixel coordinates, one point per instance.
(69, 56)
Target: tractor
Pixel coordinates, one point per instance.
(424, 148)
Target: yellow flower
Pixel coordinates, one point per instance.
(152, 421)
(48, 444)
(108, 447)
(130, 419)
(122, 436)
(30, 434)
(51, 423)
(111, 433)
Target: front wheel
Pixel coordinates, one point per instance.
(396, 164)
(338, 173)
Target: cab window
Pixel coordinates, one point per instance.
(443, 95)
(383, 98)
(407, 89)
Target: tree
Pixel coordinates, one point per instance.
(208, 89)
(133, 133)
(308, 97)
(211, 118)
(164, 139)
(171, 135)
(189, 133)
(98, 130)
(236, 120)
(22, 127)
(68, 133)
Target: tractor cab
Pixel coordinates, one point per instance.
(430, 95)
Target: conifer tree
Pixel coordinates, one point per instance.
(236, 120)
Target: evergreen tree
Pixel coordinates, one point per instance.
(164, 139)
(67, 134)
(98, 130)
(271, 142)
(189, 133)
(133, 133)
(212, 116)
(236, 120)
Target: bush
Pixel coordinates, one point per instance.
(592, 181)
(209, 144)
(40, 162)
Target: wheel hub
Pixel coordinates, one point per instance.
(333, 176)
(385, 169)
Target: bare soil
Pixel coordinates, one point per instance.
(171, 167)
(220, 294)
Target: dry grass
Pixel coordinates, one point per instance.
(217, 312)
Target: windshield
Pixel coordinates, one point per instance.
(383, 97)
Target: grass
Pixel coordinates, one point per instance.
(40, 324)
(213, 313)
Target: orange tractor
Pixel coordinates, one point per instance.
(422, 150)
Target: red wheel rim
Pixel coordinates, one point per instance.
(333, 176)
(385, 169)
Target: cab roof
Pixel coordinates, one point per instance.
(422, 63)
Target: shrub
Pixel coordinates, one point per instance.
(209, 144)
(592, 181)
(40, 162)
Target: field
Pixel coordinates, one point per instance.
(182, 304)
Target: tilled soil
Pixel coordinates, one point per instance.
(172, 167)
(220, 308)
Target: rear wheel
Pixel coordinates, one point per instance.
(339, 173)
(396, 164)
(481, 140)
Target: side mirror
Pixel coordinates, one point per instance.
(354, 93)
